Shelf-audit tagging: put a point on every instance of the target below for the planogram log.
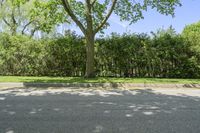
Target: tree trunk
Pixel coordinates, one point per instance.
(13, 30)
(90, 73)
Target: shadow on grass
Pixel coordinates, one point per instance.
(173, 80)
(62, 80)
(73, 82)
(75, 85)
(96, 111)
(162, 80)
(66, 80)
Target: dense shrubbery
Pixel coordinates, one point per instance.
(164, 54)
(21, 55)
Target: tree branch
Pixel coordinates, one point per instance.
(26, 27)
(93, 2)
(34, 30)
(89, 16)
(13, 18)
(107, 16)
(6, 22)
(72, 15)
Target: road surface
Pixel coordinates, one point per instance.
(99, 111)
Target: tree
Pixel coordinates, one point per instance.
(91, 16)
(45, 15)
(13, 13)
(29, 16)
(192, 35)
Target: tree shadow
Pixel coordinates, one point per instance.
(98, 111)
(65, 80)
(42, 84)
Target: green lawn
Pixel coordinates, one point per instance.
(95, 80)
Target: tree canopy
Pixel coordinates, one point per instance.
(192, 34)
(91, 16)
(99, 11)
(29, 16)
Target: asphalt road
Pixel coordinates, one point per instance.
(98, 111)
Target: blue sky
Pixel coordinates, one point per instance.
(188, 13)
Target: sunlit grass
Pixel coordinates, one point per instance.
(95, 80)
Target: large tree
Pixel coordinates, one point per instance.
(91, 16)
(191, 33)
(29, 16)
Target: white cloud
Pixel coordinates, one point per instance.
(116, 20)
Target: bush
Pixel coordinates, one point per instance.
(19, 55)
(23, 56)
(165, 54)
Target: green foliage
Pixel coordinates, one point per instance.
(192, 34)
(47, 14)
(29, 16)
(127, 10)
(139, 55)
(133, 10)
(14, 13)
(20, 55)
(163, 54)
(65, 56)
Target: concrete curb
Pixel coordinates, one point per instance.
(103, 85)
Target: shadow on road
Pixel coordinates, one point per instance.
(97, 111)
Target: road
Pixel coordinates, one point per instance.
(99, 111)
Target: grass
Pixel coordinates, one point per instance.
(96, 80)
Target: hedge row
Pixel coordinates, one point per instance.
(128, 55)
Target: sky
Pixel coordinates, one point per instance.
(188, 13)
